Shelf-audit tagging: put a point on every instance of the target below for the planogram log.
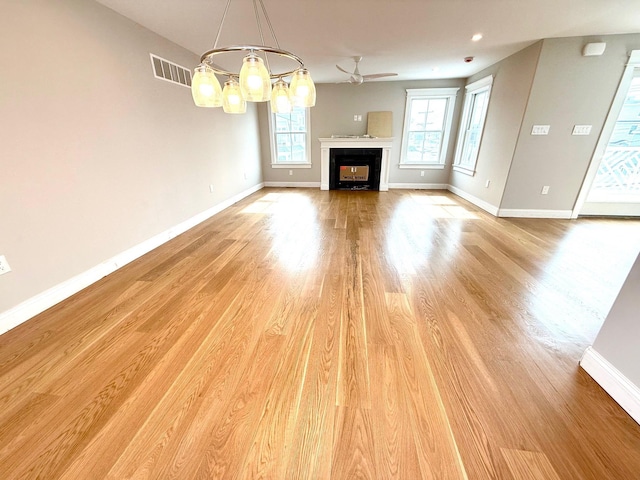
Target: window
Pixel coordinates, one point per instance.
(476, 102)
(427, 123)
(290, 146)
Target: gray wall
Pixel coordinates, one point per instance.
(617, 340)
(549, 82)
(96, 154)
(512, 80)
(568, 89)
(333, 114)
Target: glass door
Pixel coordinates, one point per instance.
(616, 187)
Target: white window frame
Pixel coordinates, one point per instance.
(428, 94)
(272, 141)
(472, 90)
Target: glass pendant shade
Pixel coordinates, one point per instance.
(280, 101)
(205, 87)
(255, 81)
(232, 100)
(302, 89)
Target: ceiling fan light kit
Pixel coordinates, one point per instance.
(253, 82)
(356, 78)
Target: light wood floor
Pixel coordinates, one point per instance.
(303, 334)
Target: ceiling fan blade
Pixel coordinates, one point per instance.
(352, 80)
(378, 75)
(343, 70)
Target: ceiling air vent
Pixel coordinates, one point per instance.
(169, 71)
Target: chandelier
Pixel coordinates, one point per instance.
(253, 81)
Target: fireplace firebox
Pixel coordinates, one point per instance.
(354, 143)
(355, 168)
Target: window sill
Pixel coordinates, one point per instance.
(466, 171)
(290, 165)
(422, 166)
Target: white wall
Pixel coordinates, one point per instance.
(96, 154)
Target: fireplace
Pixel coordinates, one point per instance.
(350, 152)
(354, 168)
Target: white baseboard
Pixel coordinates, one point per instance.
(293, 184)
(617, 209)
(619, 387)
(419, 186)
(530, 213)
(486, 206)
(29, 308)
(410, 186)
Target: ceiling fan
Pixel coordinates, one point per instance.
(357, 79)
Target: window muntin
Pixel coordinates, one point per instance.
(476, 104)
(290, 137)
(428, 116)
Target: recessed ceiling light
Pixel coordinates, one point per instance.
(477, 37)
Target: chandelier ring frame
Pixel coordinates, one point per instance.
(208, 56)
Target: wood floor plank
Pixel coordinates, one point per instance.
(373, 292)
(353, 448)
(274, 431)
(353, 373)
(312, 447)
(529, 465)
(231, 349)
(235, 428)
(305, 334)
(396, 456)
(164, 388)
(437, 448)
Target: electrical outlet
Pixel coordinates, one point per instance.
(245, 175)
(422, 173)
(211, 188)
(4, 265)
(545, 190)
(290, 172)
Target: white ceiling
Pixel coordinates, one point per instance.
(409, 37)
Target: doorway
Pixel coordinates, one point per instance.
(613, 188)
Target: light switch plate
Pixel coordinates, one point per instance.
(581, 130)
(540, 130)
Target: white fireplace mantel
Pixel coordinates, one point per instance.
(326, 144)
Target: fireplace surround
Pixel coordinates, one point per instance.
(362, 143)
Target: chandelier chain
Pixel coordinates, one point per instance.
(257, 13)
(224, 16)
(273, 33)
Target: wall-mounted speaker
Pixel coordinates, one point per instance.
(593, 49)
